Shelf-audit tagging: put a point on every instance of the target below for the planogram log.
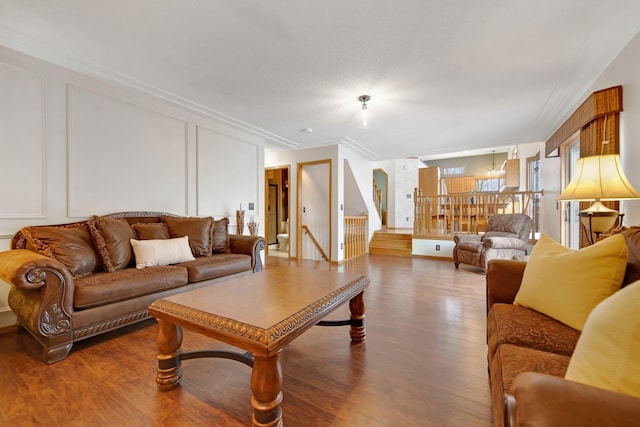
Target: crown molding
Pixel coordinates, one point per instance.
(45, 51)
(347, 142)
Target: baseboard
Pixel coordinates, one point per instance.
(8, 329)
(8, 319)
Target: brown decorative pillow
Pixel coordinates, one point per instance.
(112, 237)
(151, 230)
(71, 245)
(220, 239)
(199, 231)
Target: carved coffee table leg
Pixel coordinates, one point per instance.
(356, 305)
(168, 345)
(266, 382)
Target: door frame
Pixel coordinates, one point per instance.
(299, 206)
(266, 201)
(267, 236)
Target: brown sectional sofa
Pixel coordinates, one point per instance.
(74, 281)
(528, 355)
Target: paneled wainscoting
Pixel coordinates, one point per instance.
(423, 364)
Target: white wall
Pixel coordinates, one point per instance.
(72, 146)
(406, 180)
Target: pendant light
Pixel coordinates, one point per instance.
(364, 113)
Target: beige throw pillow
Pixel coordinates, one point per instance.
(161, 252)
(565, 284)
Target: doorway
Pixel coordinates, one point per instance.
(380, 188)
(313, 219)
(277, 210)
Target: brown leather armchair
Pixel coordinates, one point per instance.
(507, 237)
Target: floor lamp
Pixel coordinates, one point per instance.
(597, 179)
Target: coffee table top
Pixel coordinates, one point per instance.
(261, 312)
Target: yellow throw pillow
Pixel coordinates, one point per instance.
(608, 352)
(565, 284)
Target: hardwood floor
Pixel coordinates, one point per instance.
(423, 364)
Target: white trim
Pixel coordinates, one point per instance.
(43, 126)
(70, 90)
(55, 55)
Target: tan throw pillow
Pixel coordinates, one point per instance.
(151, 230)
(565, 284)
(112, 238)
(198, 229)
(161, 252)
(71, 245)
(608, 351)
(220, 239)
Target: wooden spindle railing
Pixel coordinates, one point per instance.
(444, 215)
(355, 236)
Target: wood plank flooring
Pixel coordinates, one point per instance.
(423, 364)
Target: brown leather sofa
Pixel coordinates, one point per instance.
(529, 353)
(74, 281)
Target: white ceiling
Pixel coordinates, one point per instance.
(443, 76)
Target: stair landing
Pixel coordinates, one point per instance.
(392, 242)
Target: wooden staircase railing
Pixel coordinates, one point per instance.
(316, 243)
(355, 236)
(444, 215)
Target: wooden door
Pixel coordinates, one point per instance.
(272, 214)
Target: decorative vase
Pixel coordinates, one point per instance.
(240, 221)
(253, 227)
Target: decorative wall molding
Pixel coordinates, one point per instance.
(58, 56)
(215, 169)
(140, 164)
(40, 143)
(350, 143)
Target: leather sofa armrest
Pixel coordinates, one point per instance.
(25, 269)
(248, 245)
(503, 280)
(505, 243)
(42, 294)
(540, 400)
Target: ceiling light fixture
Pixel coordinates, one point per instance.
(364, 114)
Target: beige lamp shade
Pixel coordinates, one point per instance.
(599, 178)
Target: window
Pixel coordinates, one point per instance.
(489, 184)
(534, 184)
(457, 170)
(572, 208)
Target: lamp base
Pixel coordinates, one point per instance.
(597, 219)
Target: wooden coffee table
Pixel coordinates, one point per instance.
(260, 314)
